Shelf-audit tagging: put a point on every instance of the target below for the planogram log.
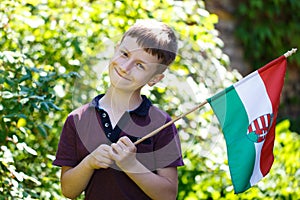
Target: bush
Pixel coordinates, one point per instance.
(267, 28)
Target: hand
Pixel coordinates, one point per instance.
(100, 157)
(124, 153)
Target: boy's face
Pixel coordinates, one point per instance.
(131, 67)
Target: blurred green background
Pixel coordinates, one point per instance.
(53, 57)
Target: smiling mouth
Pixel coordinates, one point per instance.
(121, 75)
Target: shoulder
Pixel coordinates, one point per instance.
(157, 113)
(73, 118)
(79, 111)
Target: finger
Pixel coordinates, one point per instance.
(113, 152)
(128, 144)
(101, 152)
(105, 147)
(102, 158)
(116, 148)
(103, 165)
(100, 161)
(105, 161)
(126, 141)
(122, 145)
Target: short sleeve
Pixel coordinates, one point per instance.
(66, 153)
(167, 148)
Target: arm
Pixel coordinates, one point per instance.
(162, 185)
(74, 180)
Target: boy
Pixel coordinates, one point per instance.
(96, 150)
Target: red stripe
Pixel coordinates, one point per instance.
(269, 119)
(263, 123)
(256, 125)
(250, 128)
(272, 75)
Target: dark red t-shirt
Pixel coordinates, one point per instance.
(89, 126)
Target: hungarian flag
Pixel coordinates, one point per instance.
(247, 113)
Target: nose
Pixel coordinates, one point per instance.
(126, 65)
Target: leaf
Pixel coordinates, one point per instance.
(52, 105)
(1, 79)
(76, 45)
(9, 81)
(44, 106)
(18, 115)
(7, 95)
(47, 125)
(29, 149)
(24, 100)
(73, 75)
(42, 98)
(25, 77)
(25, 89)
(42, 130)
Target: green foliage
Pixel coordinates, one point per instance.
(268, 28)
(27, 101)
(53, 57)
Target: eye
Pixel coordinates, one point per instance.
(140, 66)
(124, 53)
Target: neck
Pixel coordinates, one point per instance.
(121, 101)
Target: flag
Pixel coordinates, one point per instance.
(247, 113)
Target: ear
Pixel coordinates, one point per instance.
(156, 78)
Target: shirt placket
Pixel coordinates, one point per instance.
(111, 134)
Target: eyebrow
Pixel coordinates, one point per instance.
(129, 52)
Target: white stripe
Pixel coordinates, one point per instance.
(253, 127)
(257, 175)
(266, 120)
(259, 123)
(254, 96)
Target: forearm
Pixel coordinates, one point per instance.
(162, 185)
(74, 180)
(155, 186)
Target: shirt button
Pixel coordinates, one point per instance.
(106, 125)
(103, 115)
(108, 134)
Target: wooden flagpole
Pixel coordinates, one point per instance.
(169, 123)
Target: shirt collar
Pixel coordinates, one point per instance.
(142, 110)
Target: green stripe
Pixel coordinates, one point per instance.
(233, 118)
